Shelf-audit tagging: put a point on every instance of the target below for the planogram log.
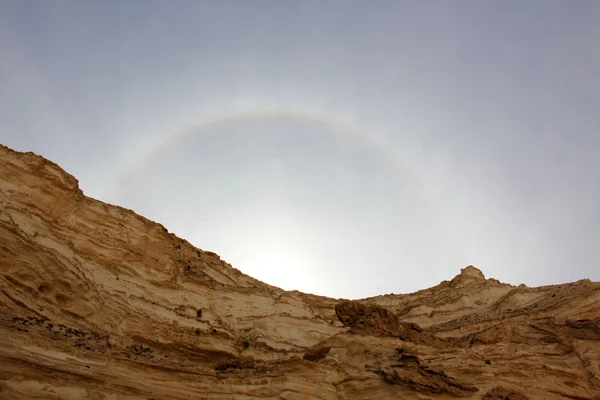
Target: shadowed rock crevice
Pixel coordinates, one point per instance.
(317, 353)
(501, 393)
(406, 369)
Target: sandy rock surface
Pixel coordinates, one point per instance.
(98, 302)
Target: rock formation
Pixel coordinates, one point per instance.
(98, 302)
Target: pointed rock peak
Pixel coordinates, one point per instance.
(473, 272)
(468, 275)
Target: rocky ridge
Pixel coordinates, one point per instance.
(98, 302)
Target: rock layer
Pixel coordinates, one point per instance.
(98, 302)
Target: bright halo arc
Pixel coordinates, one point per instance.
(277, 265)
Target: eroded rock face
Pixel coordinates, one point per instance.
(407, 369)
(375, 320)
(98, 302)
(367, 318)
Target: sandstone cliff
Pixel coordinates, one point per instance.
(98, 302)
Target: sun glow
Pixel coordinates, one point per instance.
(280, 268)
(273, 244)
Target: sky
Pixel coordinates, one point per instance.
(342, 148)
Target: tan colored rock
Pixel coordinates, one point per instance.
(98, 302)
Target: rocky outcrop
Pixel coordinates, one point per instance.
(375, 320)
(367, 318)
(98, 302)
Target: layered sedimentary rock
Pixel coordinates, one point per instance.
(98, 302)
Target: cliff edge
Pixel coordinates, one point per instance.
(98, 302)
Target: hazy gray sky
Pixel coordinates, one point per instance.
(344, 148)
